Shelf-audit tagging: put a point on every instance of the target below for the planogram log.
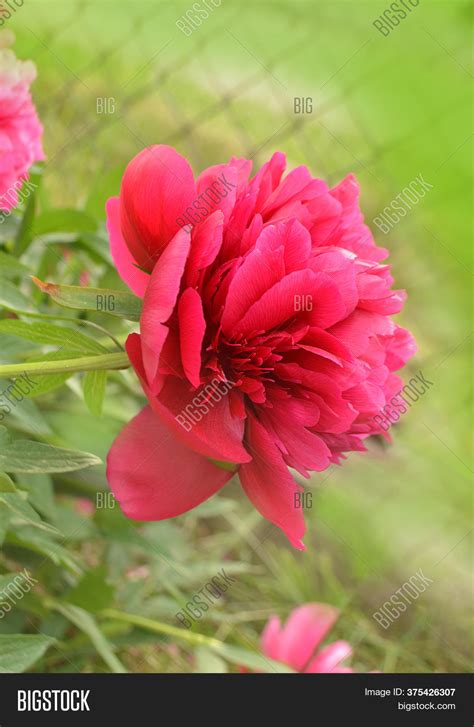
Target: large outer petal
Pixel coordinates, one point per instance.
(157, 187)
(154, 476)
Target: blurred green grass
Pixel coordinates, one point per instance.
(387, 109)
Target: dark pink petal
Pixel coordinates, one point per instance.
(160, 299)
(303, 450)
(268, 178)
(192, 327)
(259, 271)
(203, 418)
(217, 189)
(205, 246)
(126, 266)
(269, 485)
(157, 188)
(154, 476)
(278, 304)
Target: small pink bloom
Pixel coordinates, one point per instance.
(265, 338)
(20, 129)
(297, 643)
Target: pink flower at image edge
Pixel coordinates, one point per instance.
(275, 294)
(20, 128)
(297, 643)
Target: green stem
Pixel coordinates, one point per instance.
(84, 363)
(161, 628)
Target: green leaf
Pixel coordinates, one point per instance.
(86, 623)
(101, 300)
(29, 456)
(64, 220)
(42, 543)
(10, 267)
(40, 493)
(23, 236)
(4, 436)
(25, 414)
(52, 335)
(9, 227)
(92, 593)
(94, 390)
(250, 659)
(12, 298)
(6, 580)
(24, 512)
(209, 663)
(19, 652)
(6, 484)
(4, 523)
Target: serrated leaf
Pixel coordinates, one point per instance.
(49, 334)
(94, 390)
(19, 652)
(101, 300)
(29, 456)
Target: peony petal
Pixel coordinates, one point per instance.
(304, 630)
(270, 638)
(136, 279)
(217, 189)
(157, 188)
(269, 485)
(329, 659)
(160, 299)
(192, 327)
(154, 476)
(203, 419)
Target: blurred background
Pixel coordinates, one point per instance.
(114, 77)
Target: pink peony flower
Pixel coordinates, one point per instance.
(265, 338)
(297, 643)
(20, 129)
